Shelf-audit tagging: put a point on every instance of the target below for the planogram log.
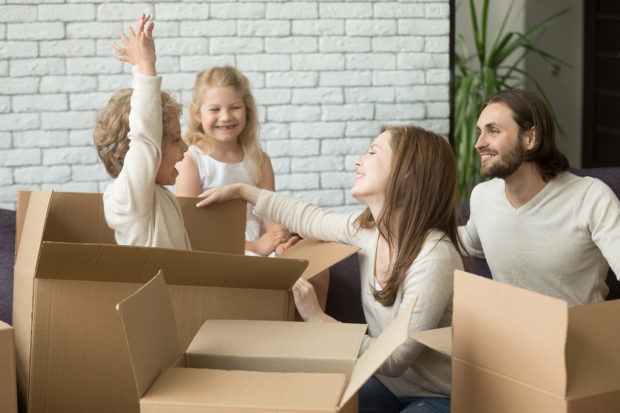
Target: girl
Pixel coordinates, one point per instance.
(408, 240)
(222, 128)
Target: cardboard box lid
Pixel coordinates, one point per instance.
(151, 331)
(283, 339)
(320, 254)
(32, 230)
(593, 356)
(113, 263)
(511, 331)
(439, 339)
(382, 347)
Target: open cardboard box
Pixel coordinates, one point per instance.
(515, 350)
(69, 275)
(249, 366)
(8, 386)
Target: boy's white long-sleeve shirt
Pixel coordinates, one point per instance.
(141, 212)
(413, 370)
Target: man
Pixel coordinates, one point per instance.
(538, 226)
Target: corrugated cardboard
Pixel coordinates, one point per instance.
(69, 274)
(247, 366)
(515, 350)
(8, 386)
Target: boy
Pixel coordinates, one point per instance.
(138, 138)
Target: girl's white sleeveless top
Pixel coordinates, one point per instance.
(214, 173)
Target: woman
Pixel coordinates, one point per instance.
(408, 240)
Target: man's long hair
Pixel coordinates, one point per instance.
(530, 111)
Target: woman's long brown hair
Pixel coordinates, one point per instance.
(421, 195)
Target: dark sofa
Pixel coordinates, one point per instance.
(343, 300)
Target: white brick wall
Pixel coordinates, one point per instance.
(325, 74)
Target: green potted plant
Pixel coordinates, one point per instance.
(484, 72)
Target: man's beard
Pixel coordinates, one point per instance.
(505, 164)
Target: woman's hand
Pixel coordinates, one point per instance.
(218, 195)
(225, 193)
(307, 303)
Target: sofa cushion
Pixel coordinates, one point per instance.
(7, 260)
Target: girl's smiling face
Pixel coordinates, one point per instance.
(222, 114)
(373, 171)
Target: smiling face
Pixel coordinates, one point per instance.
(373, 171)
(173, 149)
(500, 146)
(222, 114)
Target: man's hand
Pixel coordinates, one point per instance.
(139, 47)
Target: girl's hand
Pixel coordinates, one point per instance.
(139, 47)
(218, 195)
(286, 245)
(268, 242)
(306, 301)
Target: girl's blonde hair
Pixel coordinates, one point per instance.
(422, 191)
(228, 76)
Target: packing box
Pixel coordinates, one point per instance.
(8, 387)
(515, 350)
(248, 366)
(69, 275)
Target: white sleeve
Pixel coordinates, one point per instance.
(306, 219)
(129, 199)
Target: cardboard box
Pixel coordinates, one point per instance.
(515, 350)
(69, 275)
(249, 366)
(8, 386)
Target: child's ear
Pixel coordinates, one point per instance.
(195, 111)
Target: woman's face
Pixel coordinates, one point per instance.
(373, 171)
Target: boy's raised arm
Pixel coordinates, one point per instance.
(139, 47)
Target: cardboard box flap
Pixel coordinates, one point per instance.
(150, 329)
(381, 349)
(439, 339)
(236, 391)
(115, 263)
(32, 230)
(77, 217)
(226, 218)
(524, 332)
(284, 339)
(321, 254)
(593, 356)
(23, 197)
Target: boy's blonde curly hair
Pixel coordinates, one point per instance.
(228, 76)
(112, 127)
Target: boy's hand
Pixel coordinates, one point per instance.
(139, 47)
